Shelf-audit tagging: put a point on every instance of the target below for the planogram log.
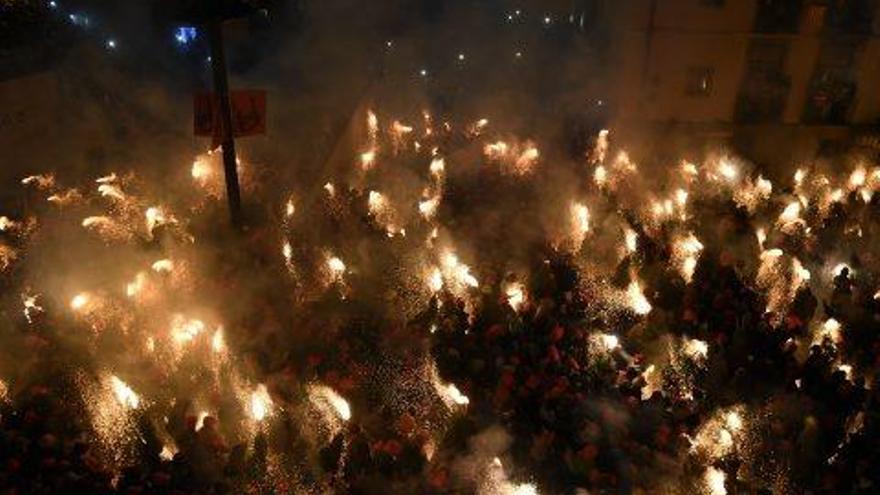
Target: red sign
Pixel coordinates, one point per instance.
(248, 114)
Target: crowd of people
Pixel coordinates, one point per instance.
(593, 397)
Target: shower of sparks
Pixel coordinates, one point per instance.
(124, 394)
(260, 403)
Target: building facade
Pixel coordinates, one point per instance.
(741, 62)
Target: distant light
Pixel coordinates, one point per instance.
(600, 103)
(208, 60)
(547, 19)
(389, 43)
(510, 17)
(518, 12)
(185, 34)
(111, 44)
(518, 54)
(79, 19)
(461, 56)
(423, 72)
(53, 4)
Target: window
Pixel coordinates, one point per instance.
(833, 87)
(778, 16)
(764, 90)
(699, 81)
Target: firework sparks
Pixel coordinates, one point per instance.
(8, 255)
(31, 308)
(337, 268)
(260, 403)
(81, 302)
(685, 253)
(6, 224)
(437, 167)
(44, 181)
(516, 296)
(162, 266)
(458, 271)
(185, 329)
(715, 479)
(111, 191)
(696, 349)
(435, 280)
(328, 396)
(124, 394)
(601, 147)
(636, 298)
(137, 285)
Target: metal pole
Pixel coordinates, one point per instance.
(221, 87)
